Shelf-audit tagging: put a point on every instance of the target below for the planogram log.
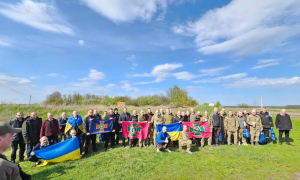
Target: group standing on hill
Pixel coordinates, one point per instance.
(36, 133)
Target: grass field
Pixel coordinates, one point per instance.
(224, 162)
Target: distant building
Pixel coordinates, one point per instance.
(121, 104)
(211, 104)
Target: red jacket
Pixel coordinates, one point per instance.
(50, 128)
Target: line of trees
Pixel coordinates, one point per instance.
(175, 97)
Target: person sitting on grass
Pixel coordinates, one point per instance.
(42, 144)
(163, 138)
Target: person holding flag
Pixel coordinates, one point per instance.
(75, 122)
(142, 118)
(208, 119)
(125, 116)
(155, 120)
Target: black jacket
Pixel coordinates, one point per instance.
(266, 120)
(86, 123)
(62, 124)
(283, 122)
(118, 126)
(113, 117)
(176, 119)
(31, 130)
(15, 123)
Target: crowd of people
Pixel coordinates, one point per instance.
(36, 134)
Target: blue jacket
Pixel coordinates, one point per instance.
(124, 117)
(38, 146)
(161, 137)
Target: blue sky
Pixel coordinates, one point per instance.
(232, 51)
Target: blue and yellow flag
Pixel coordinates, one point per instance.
(72, 122)
(101, 126)
(63, 151)
(173, 130)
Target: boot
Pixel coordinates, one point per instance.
(188, 151)
(256, 143)
(252, 144)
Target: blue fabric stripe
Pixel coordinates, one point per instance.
(57, 150)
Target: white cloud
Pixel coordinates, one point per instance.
(265, 65)
(223, 78)
(263, 61)
(3, 43)
(161, 72)
(214, 71)
(81, 42)
(34, 77)
(298, 64)
(245, 27)
(184, 75)
(255, 82)
(107, 87)
(52, 74)
(142, 75)
(94, 75)
(193, 88)
(128, 87)
(40, 15)
(199, 61)
(131, 58)
(128, 10)
(237, 60)
(6, 79)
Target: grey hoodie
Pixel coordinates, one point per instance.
(241, 121)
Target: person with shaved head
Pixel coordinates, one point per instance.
(255, 126)
(18, 139)
(284, 125)
(50, 129)
(31, 131)
(267, 122)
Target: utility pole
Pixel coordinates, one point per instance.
(30, 99)
(261, 103)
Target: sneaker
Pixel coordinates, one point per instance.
(157, 149)
(252, 144)
(167, 150)
(189, 152)
(245, 144)
(229, 144)
(239, 143)
(279, 143)
(123, 146)
(210, 145)
(217, 145)
(290, 144)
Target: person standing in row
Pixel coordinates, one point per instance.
(284, 125)
(224, 132)
(198, 117)
(142, 118)
(168, 118)
(31, 131)
(162, 112)
(242, 123)
(193, 115)
(117, 115)
(231, 126)
(62, 125)
(149, 116)
(18, 139)
(209, 121)
(86, 126)
(134, 118)
(255, 126)
(50, 128)
(111, 135)
(156, 120)
(217, 124)
(125, 116)
(267, 123)
(178, 118)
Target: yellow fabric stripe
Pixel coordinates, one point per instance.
(174, 135)
(67, 128)
(81, 128)
(70, 156)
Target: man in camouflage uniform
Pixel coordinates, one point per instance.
(142, 118)
(151, 128)
(208, 119)
(168, 118)
(155, 120)
(184, 140)
(254, 122)
(231, 125)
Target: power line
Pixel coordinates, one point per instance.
(12, 89)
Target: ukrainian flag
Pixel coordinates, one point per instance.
(63, 151)
(72, 122)
(173, 130)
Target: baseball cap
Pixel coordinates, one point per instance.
(6, 128)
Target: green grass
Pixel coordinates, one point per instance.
(224, 162)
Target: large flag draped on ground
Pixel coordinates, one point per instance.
(63, 151)
(74, 122)
(101, 126)
(135, 130)
(198, 129)
(173, 130)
